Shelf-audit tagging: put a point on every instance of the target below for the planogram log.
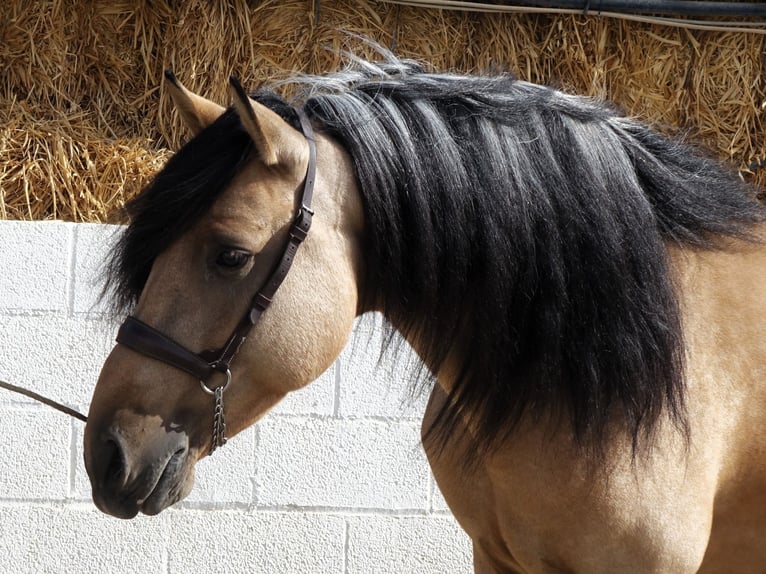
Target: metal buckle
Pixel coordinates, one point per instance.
(302, 223)
(223, 387)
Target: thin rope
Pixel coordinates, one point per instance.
(46, 401)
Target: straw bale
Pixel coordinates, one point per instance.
(85, 123)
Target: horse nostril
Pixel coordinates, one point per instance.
(114, 469)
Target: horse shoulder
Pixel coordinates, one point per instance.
(724, 311)
(535, 506)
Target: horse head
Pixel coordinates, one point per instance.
(194, 272)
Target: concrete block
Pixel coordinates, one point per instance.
(403, 545)
(341, 464)
(316, 398)
(93, 243)
(346, 442)
(35, 461)
(230, 542)
(226, 477)
(54, 356)
(375, 385)
(39, 539)
(36, 263)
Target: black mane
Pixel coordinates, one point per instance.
(523, 228)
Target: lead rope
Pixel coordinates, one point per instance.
(46, 401)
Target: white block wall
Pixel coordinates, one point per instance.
(333, 481)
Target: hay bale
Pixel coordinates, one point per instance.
(84, 123)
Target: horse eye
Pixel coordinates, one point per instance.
(232, 259)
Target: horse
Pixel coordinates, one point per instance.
(583, 293)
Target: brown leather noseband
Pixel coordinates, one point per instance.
(137, 335)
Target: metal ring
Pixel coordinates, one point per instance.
(225, 386)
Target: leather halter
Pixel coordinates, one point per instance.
(137, 335)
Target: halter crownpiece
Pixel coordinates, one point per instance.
(145, 339)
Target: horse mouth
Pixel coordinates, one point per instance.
(135, 463)
(172, 484)
(153, 492)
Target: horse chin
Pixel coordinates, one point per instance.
(119, 509)
(173, 485)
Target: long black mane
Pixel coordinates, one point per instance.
(515, 228)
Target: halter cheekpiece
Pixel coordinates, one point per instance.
(137, 335)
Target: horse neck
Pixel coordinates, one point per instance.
(723, 313)
(721, 294)
(339, 202)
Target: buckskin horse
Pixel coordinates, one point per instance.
(585, 294)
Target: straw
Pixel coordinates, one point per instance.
(85, 123)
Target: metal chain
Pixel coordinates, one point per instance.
(219, 423)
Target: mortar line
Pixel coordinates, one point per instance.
(71, 276)
(165, 561)
(346, 528)
(430, 493)
(288, 508)
(72, 459)
(338, 380)
(255, 478)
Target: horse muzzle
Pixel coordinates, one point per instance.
(137, 472)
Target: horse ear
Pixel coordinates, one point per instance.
(276, 141)
(196, 111)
